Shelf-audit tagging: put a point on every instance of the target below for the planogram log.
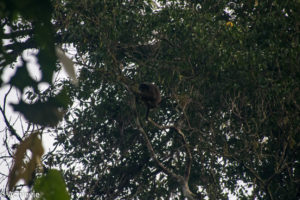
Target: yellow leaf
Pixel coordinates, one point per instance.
(229, 24)
(20, 169)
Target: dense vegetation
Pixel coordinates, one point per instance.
(229, 119)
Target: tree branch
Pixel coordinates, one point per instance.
(9, 126)
(182, 180)
(186, 146)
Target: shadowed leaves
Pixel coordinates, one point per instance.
(44, 113)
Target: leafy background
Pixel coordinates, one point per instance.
(229, 78)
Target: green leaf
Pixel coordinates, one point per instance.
(42, 113)
(51, 186)
(47, 59)
(22, 79)
(47, 113)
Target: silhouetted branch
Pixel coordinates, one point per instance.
(2, 110)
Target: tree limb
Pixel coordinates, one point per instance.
(9, 126)
(182, 180)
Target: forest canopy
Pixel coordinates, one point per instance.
(228, 74)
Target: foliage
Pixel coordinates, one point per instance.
(229, 98)
(229, 77)
(27, 25)
(51, 186)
